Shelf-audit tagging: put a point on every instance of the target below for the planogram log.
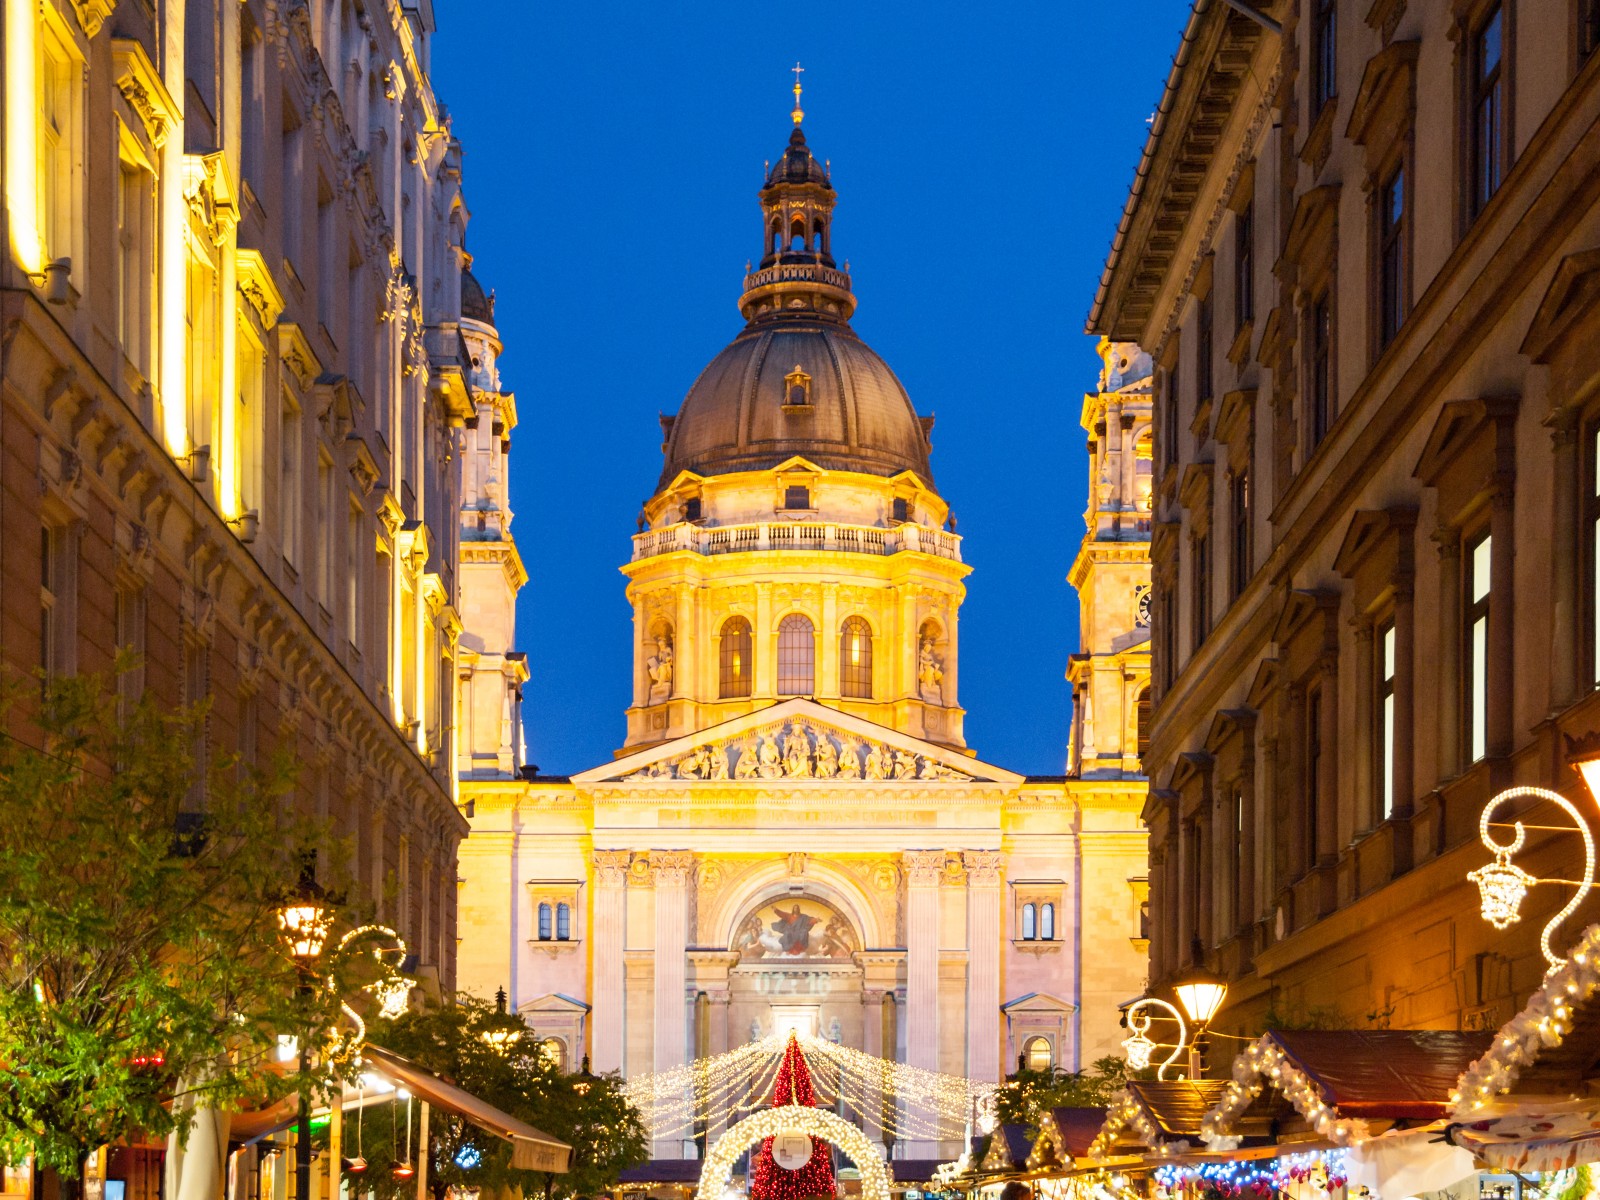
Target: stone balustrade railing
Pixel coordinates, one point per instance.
(795, 535)
(796, 273)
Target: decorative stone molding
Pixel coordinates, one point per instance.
(141, 86)
(671, 867)
(208, 190)
(93, 14)
(611, 868)
(257, 287)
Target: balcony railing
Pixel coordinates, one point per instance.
(796, 273)
(796, 535)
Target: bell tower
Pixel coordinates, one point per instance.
(1111, 675)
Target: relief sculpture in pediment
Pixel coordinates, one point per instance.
(798, 750)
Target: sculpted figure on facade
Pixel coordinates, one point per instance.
(717, 757)
(877, 763)
(930, 672)
(659, 665)
(694, 765)
(746, 767)
(827, 757)
(769, 764)
(905, 765)
(797, 753)
(849, 758)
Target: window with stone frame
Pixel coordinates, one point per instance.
(735, 667)
(1037, 908)
(797, 656)
(1244, 266)
(1241, 562)
(1393, 274)
(556, 910)
(1588, 31)
(1476, 599)
(1319, 369)
(59, 69)
(855, 659)
(1324, 47)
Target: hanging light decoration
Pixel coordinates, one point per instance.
(1141, 1049)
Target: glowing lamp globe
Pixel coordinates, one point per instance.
(1501, 888)
(304, 917)
(1139, 1049)
(1201, 996)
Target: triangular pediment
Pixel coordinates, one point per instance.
(798, 742)
(1038, 1002)
(554, 1002)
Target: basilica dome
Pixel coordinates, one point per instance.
(797, 380)
(856, 416)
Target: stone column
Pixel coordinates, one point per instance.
(1499, 714)
(1448, 676)
(764, 646)
(1569, 674)
(607, 940)
(983, 964)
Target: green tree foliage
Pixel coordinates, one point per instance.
(141, 967)
(1028, 1095)
(588, 1112)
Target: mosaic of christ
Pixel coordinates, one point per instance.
(794, 928)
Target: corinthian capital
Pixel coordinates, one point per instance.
(611, 868)
(671, 867)
(924, 868)
(983, 867)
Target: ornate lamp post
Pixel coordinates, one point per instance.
(304, 919)
(1201, 995)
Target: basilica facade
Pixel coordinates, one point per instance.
(794, 833)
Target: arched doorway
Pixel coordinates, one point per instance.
(815, 1122)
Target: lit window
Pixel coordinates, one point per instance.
(855, 659)
(797, 649)
(735, 659)
(1030, 922)
(554, 1051)
(544, 922)
(1386, 671)
(1488, 114)
(59, 80)
(1036, 1054)
(1478, 606)
(563, 922)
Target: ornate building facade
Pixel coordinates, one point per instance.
(235, 375)
(1361, 254)
(794, 833)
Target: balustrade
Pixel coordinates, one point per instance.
(795, 535)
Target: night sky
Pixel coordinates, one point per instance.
(982, 156)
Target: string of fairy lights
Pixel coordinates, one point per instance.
(877, 1095)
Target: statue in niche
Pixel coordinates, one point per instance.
(850, 758)
(930, 672)
(905, 764)
(827, 757)
(797, 753)
(717, 759)
(877, 763)
(659, 665)
(769, 764)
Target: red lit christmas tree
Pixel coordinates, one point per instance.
(768, 1180)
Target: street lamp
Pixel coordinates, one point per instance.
(304, 919)
(504, 1030)
(585, 1079)
(1201, 995)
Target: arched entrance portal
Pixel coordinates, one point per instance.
(816, 1122)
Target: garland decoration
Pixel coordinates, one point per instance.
(1262, 1062)
(1125, 1112)
(1544, 1023)
(1325, 1169)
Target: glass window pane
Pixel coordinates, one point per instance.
(734, 655)
(1386, 783)
(544, 922)
(1047, 923)
(1029, 928)
(796, 656)
(1480, 570)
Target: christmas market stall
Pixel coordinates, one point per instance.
(1154, 1119)
(1530, 1103)
(1365, 1109)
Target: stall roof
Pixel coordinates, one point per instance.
(1176, 1106)
(530, 1149)
(1065, 1134)
(1008, 1149)
(1393, 1074)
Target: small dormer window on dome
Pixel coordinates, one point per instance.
(796, 390)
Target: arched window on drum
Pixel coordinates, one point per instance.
(734, 653)
(855, 660)
(797, 656)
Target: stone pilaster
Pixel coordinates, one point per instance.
(924, 870)
(983, 964)
(607, 941)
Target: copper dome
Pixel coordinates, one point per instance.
(475, 305)
(740, 415)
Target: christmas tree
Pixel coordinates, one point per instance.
(769, 1181)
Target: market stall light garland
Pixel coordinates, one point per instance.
(1260, 1177)
(1125, 1112)
(1544, 1023)
(1264, 1062)
(1502, 884)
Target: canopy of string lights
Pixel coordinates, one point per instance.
(869, 1092)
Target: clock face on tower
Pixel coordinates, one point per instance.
(1141, 606)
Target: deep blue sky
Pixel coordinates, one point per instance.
(981, 155)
